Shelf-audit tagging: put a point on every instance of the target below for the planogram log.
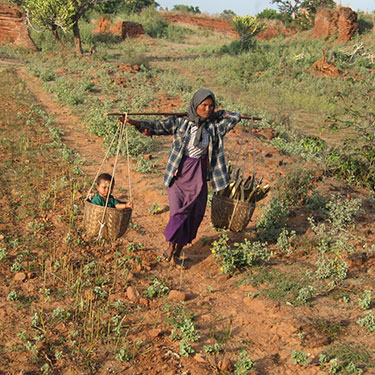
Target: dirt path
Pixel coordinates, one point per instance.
(266, 329)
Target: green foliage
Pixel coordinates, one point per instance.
(244, 254)
(272, 220)
(366, 301)
(247, 27)
(228, 13)
(350, 166)
(244, 364)
(216, 348)
(124, 355)
(145, 166)
(368, 322)
(154, 24)
(300, 358)
(66, 92)
(3, 253)
(331, 267)
(285, 241)
(305, 295)
(12, 296)
(129, 6)
(156, 209)
(342, 212)
(51, 14)
(270, 14)
(156, 289)
(346, 359)
(291, 142)
(294, 9)
(355, 161)
(333, 235)
(177, 33)
(186, 9)
(183, 328)
(61, 314)
(46, 75)
(293, 188)
(364, 24)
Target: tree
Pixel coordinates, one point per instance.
(186, 9)
(128, 6)
(81, 7)
(54, 14)
(50, 15)
(292, 8)
(227, 14)
(269, 14)
(247, 27)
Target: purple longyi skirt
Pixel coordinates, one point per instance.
(187, 201)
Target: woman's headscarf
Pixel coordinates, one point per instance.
(198, 98)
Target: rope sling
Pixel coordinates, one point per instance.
(103, 221)
(231, 213)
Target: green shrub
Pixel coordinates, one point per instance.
(244, 364)
(272, 220)
(154, 24)
(300, 358)
(292, 189)
(244, 254)
(156, 289)
(186, 9)
(331, 267)
(368, 322)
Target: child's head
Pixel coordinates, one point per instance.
(103, 183)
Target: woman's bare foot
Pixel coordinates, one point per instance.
(168, 254)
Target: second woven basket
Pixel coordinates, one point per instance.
(230, 213)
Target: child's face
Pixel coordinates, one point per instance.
(103, 188)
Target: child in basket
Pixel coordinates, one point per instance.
(102, 186)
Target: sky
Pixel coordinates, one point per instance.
(251, 7)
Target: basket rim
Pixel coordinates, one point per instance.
(231, 200)
(87, 201)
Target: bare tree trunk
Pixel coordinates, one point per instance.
(77, 38)
(57, 37)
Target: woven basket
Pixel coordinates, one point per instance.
(230, 213)
(116, 221)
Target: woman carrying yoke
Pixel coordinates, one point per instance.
(196, 155)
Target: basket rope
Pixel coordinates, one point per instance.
(120, 133)
(101, 166)
(244, 163)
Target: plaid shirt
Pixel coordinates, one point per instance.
(179, 127)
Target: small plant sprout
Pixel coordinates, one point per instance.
(365, 301)
(123, 355)
(300, 358)
(346, 299)
(3, 253)
(210, 289)
(183, 329)
(12, 296)
(213, 349)
(156, 209)
(305, 295)
(323, 358)
(156, 289)
(368, 322)
(244, 363)
(285, 240)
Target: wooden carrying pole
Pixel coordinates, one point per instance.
(178, 114)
